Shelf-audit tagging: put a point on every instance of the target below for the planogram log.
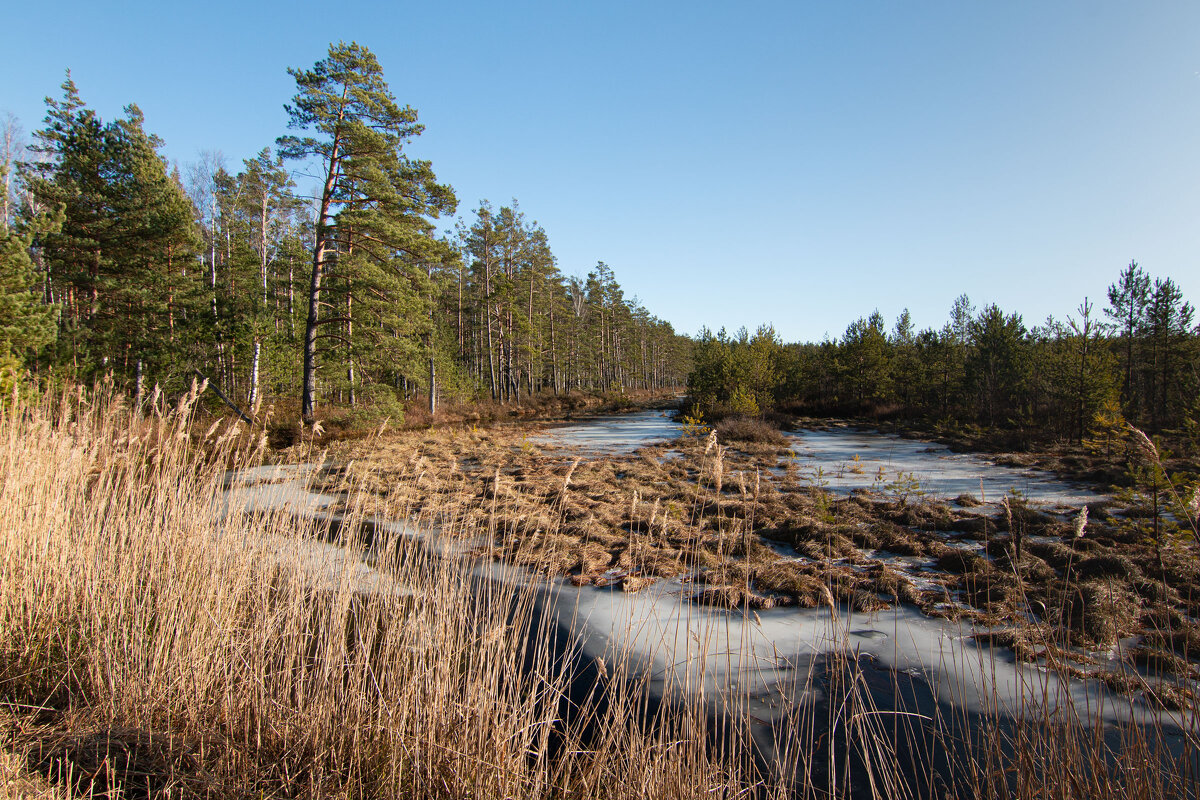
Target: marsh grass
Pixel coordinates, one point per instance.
(152, 645)
(159, 638)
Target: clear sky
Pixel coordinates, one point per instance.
(797, 163)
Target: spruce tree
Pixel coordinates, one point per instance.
(151, 242)
(72, 148)
(27, 324)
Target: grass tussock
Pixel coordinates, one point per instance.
(750, 430)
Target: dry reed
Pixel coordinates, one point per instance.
(226, 654)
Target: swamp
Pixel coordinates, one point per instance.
(325, 477)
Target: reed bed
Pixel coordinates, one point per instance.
(159, 638)
(153, 645)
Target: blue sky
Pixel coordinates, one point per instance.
(798, 163)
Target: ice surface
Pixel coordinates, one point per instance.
(843, 460)
(612, 434)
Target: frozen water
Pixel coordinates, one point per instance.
(844, 460)
(612, 434)
(764, 668)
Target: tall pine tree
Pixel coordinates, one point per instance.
(373, 198)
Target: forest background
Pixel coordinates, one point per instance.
(116, 264)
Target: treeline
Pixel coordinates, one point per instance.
(519, 325)
(113, 263)
(1137, 359)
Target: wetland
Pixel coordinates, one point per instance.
(875, 526)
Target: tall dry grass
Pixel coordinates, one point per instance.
(154, 645)
(157, 639)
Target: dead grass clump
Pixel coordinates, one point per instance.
(1160, 619)
(897, 539)
(1162, 662)
(975, 525)
(1025, 644)
(1182, 639)
(748, 429)
(1056, 554)
(734, 597)
(1181, 570)
(830, 547)
(886, 581)
(1100, 612)
(922, 516)
(1108, 565)
(792, 580)
(865, 538)
(1029, 521)
(866, 602)
(963, 562)
(92, 760)
(552, 554)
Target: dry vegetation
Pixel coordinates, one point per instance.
(750, 527)
(152, 647)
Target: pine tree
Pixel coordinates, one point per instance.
(905, 365)
(864, 359)
(118, 261)
(1169, 324)
(997, 363)
(1127, 300)
(372, 198)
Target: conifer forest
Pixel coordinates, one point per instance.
(116, 263)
